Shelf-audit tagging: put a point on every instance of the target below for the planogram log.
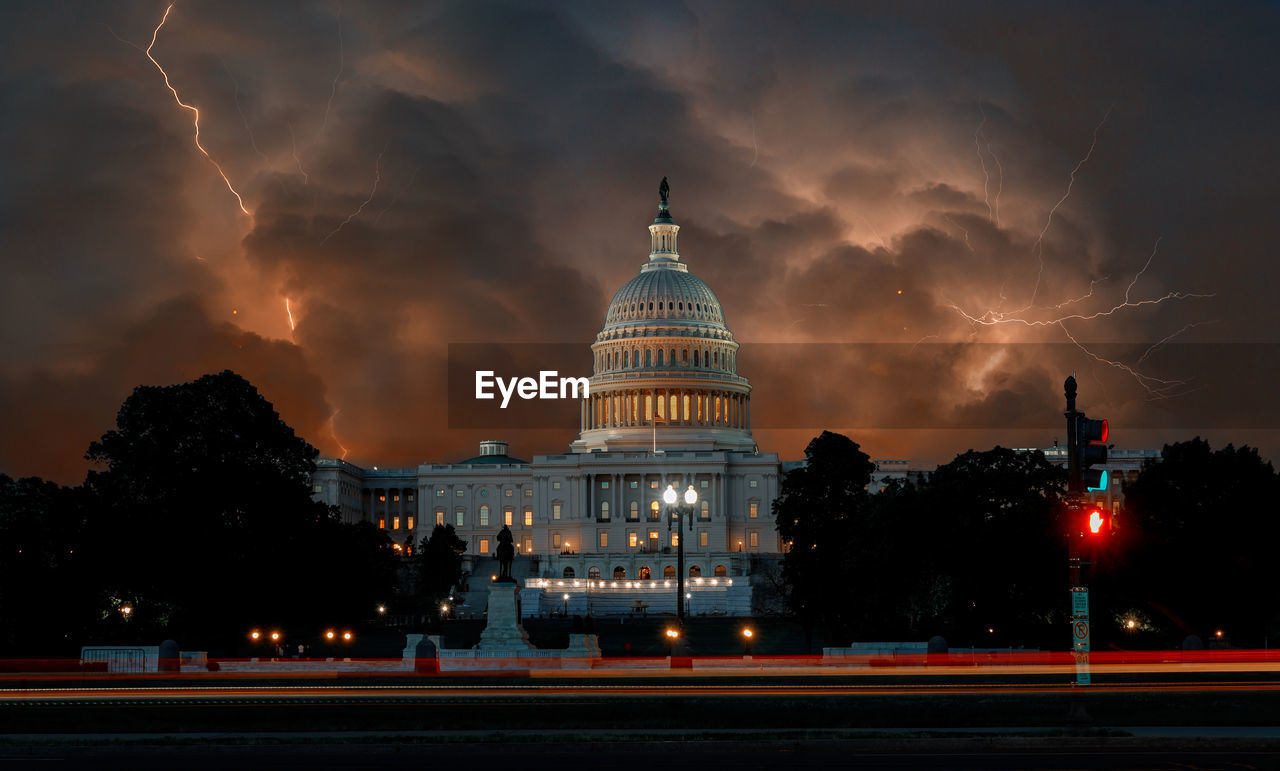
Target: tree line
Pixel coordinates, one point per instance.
(197, 523)
(976, 551)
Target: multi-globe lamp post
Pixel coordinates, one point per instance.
(674, 512)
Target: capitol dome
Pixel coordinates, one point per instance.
(665, 373)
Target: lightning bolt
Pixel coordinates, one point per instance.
(986, 175)
(341, 63)
(1153, 348)
(377, 176)
(333, 432)
(289, 311)
(253, 142)
(294, 143)
(1038, 247)
(195, 113)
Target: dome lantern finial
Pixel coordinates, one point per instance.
(662, 233)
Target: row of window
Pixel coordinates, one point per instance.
(645, 574)
(633, 539)
(508, 492)
(624, 359)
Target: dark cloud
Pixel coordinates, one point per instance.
(420, 175)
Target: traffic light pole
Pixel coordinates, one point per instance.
(1077, 588)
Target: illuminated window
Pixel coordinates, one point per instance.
(317, 488)
(484, 516)
(457, 493)
(410, 523)
(604, 484)
(459, 518)
(653, 511)
(555, 540)
(645, 572)
(528, 544)
(705, 511)
(669, 571)
(508, 517)
(654, 537)
(382, 499)
(703, 538)
(653, 486)
(555, 510)
(409, 497)
(483, 546)
(753, 539)
(439, 516)
(440, 492)
(633, 539)
(555, 485)
(604, 539)
(593, 572)
(721, 570)
(753, 509)
(528, 517)
(528, 492)
(695, 571)
(382, 523)
(619, 573)
(634, 484)
(633, 512)
(675, 539)
(703, 484)
(395, 499)
(604, 511)
(508, 492)
(395, 523)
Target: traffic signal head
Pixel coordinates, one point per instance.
(1095, 521)
(1091, 450)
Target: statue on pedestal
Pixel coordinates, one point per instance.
(506, 554)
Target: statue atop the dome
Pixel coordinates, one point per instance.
(664, 190)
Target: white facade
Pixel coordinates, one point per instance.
(667, 407)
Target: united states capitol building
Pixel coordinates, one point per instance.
(667, 406)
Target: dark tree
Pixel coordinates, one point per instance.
(205, 519)
(985, 539)
(816, 511)
(439, 566)
(1195, 545)
(46, 596)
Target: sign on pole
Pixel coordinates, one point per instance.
(1080, 633)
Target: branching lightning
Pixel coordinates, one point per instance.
(195, 113)
(377, 176)
(1038, 247)
(333, 432)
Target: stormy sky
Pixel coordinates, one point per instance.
(919, 218)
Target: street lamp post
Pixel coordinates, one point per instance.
(674, 512)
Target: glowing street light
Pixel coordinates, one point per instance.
(346, 636)
(126, 610)
(670, 497)
(254, 635)
(329, 635)
(748, 634)
(382, 609)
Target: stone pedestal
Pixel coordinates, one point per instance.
(502, 632)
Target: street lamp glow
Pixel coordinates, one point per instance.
(444, 608)
(275, 635)
(126, 610)
(1131, 623)
(669, 495)
(254, 635)
(673, 633)
(329, 634)
(747, 633)
(691, 496)
(566, 597)
(382, 608)
(346, 636)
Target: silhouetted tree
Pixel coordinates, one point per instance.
(46, 596)
(817, 510)
(1195, 544)
(439, 566)
(204, 519)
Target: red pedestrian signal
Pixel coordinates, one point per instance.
(1095, 521)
